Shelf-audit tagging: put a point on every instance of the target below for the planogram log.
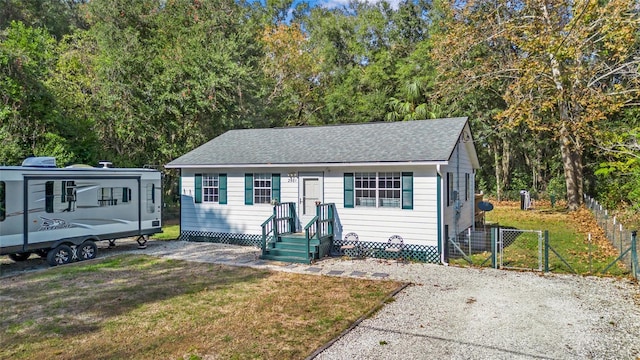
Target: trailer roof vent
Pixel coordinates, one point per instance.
(40, 161)
(105, 164)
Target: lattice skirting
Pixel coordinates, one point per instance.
(223, 238)
(410, 252)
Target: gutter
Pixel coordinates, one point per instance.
(440, 215)
(307, 165)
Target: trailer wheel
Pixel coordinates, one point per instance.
(87, 251)
(60, 255)
(19, 256)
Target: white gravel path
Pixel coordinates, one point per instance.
(462, 313)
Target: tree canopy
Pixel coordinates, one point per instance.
(550, 87)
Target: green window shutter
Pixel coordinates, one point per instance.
(63, 198)
(198, 190)
(407, 190)
(222, 189)
(248, 189)
(348, 190)
(275, 187)
(125, 194)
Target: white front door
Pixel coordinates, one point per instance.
(310, 191)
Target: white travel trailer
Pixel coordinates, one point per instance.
(59, 213)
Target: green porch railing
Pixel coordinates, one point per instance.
(267, 228)
(282, 222)
(322, 225)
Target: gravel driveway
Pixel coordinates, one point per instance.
(455, 313)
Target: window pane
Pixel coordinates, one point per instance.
(151, 198)
(48, 196)
(389, 192)
(365, 189)
(262, 188)
(210, 187)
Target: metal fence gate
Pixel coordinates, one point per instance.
(472, 247)
(520, 249)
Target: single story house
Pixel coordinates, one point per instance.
(411, 180)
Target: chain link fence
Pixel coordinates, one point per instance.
(622, 239)
(472, 247)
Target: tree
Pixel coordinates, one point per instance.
(565, 66)
(58, 17)
(74, 83)
(171, 75)
(29, 113)
(293, 67)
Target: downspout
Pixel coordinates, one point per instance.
(440, 212)
(179, 204)
(457, 205)
(472, 189)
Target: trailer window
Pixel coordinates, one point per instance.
(109, 196)
(48, 196)
(126, 195)
(3, 202)
(106, 198)
(151, 198)
(68, 195)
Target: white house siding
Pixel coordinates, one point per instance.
(416, 226)
(234, 217)
(467, 206)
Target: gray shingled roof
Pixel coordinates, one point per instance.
(421, 140)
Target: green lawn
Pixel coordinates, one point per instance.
(568, 236)
(169, 232)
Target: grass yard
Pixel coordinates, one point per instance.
(568, 235)
(140, 307)
(169, 232)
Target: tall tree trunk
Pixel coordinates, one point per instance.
(506, 162)
(572, 164)
(569, 148)
(496, 165)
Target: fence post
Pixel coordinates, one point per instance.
(606, 221)
(494, 246)
(634, 254)
(546, 251)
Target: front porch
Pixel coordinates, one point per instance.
(281, 240)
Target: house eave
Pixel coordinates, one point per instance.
(307, 165)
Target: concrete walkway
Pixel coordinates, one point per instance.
(249, 256)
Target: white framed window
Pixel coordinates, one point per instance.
(365, 187)
(378, 189)
(389, 189)
(210, 188)
(261, 188)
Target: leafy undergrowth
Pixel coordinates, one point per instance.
(139, 307)
(568, 236)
